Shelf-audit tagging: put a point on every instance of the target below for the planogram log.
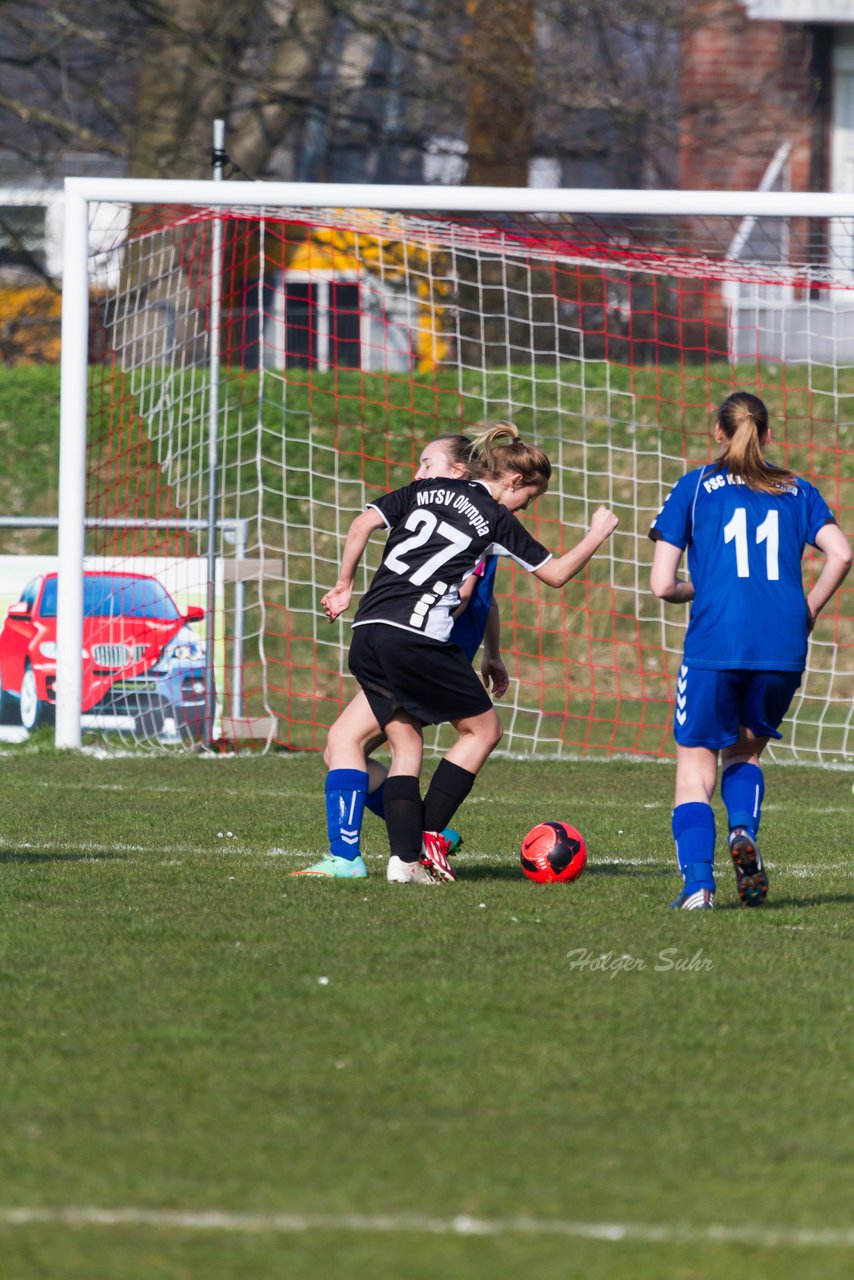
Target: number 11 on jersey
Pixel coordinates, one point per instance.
(768, 532)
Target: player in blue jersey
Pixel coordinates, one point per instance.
(744, 524)
(411, 675)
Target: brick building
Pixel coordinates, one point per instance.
(767, 101)
(760, 73)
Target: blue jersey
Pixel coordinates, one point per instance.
(469, 628)
(744, 557)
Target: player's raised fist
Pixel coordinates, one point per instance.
(604, 522)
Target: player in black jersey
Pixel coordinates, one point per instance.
(400, 652)
(476, 621)
(357, 733)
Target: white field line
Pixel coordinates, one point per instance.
(168, 788)
(392, 1224)
(14, 737)
(845, 765)
(92, 849)
(288, 793)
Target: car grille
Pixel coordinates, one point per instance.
(117, 655)
(132, 687)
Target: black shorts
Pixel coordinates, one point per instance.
(401, 671)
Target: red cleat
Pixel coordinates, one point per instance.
(434, 856)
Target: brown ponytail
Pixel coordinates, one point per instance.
(514, 455)
(743, 419)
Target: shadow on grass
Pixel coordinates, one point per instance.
(784, 904)
(817, 900)
(627, 869)
(477, 872)
(8, 856)
(487, 871)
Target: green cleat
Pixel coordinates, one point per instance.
(335, 868)
(453, 838)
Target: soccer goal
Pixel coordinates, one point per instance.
(244, 365)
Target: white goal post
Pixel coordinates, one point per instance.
(620, 349)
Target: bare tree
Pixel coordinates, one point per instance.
(142, 82)
(317, 88)
(500, 85)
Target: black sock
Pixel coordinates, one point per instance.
(404, 816)
(448, 788)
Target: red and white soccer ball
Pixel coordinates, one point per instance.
(553, 852)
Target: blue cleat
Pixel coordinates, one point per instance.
(334, 868)
(699, 900)
(751, 878)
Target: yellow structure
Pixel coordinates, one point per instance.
(30, 319)
(419, 269)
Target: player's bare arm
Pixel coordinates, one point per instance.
(336, 601)
(465, 593)
(664, 580)
(558, 571)
(837, 549)
(492, 669)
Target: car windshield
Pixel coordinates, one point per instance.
(117, 597)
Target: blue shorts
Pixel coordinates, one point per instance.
(711, 705)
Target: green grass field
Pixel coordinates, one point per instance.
(212, 1070)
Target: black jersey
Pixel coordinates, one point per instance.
(439, 531)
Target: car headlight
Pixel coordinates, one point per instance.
(50, 649)
(190, 651)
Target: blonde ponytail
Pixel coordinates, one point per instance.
(512, 456)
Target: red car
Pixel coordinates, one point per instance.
(140, 656)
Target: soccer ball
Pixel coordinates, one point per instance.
(553, 851)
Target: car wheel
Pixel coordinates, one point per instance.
(148, 722)
(34, 712)
(8, 708)
(191, 723)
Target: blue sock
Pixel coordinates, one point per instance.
(742, 791)
(694, 833)
(375, 801)
(345, 804)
